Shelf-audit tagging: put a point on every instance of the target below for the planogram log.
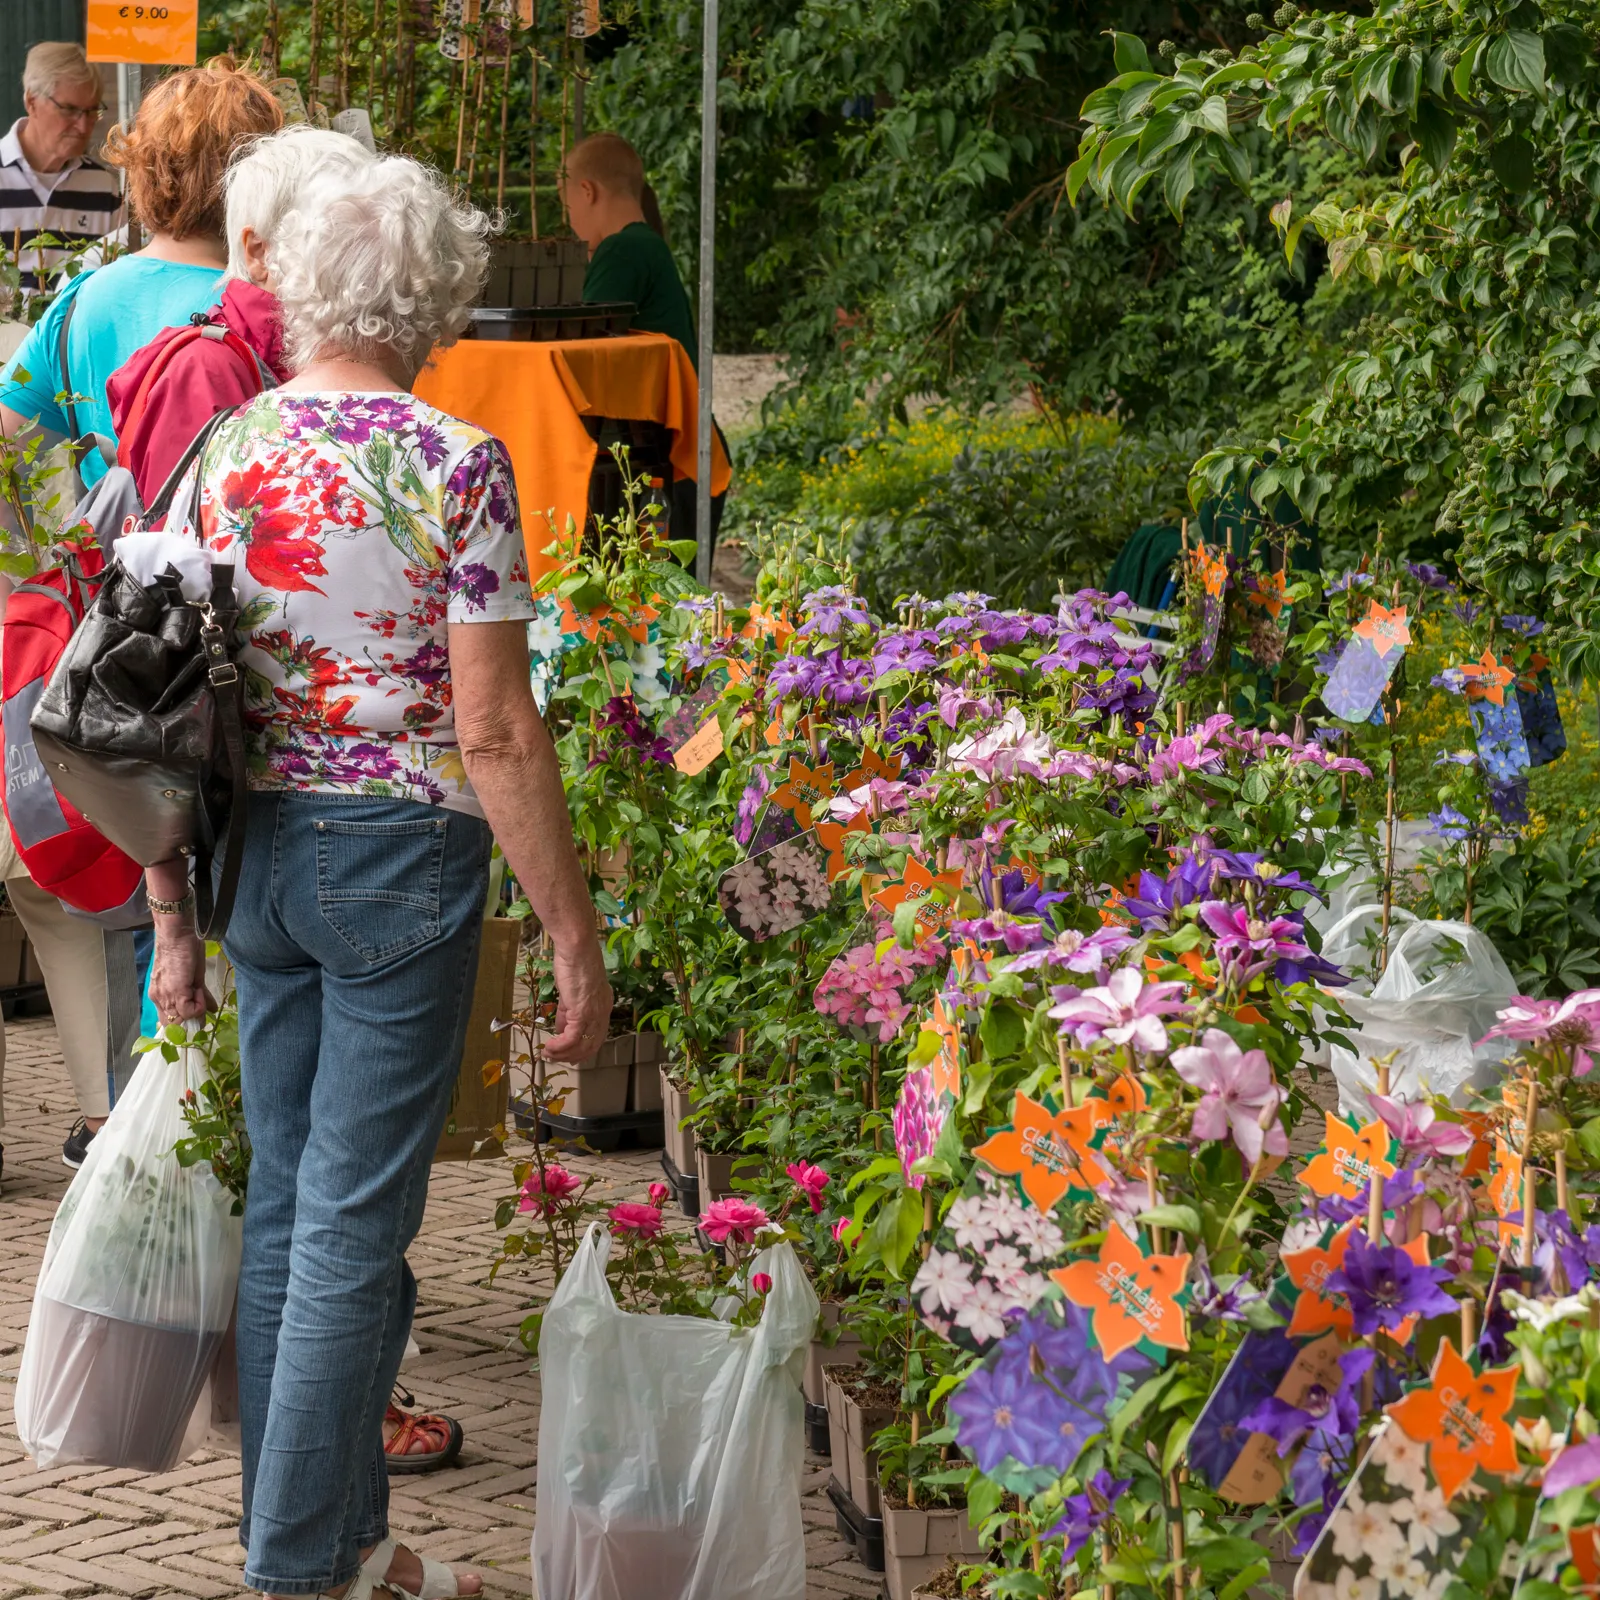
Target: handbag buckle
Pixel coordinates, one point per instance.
(224, 674)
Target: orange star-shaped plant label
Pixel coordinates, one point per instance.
(1269, 592)
(1048, 1152)
(767, 623)
(1505, 1189)
(1384, 630)
(1461, 1417)
(1584, 1546)
(805, 788)
(1345, 1164)
(947, 1064)
(1315, 1311)
(1487, 678)
(1212, 569)
(918, 884)
(874, 764)
(1132, 1297)
(1476, 1164)
(832, 835)
(585, 622)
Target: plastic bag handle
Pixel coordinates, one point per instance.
(1354, 915)
(1468, 937)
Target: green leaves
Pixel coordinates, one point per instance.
(1512, 161)
(1435, 131)
(1516, 62)
(1131, 55)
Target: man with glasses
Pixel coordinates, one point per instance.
(48, 186)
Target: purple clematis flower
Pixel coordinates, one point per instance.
(1385, 1286)
(827, 610)
(1076, 952)
(907, 652)
(1124, 1010)
(1577, 1464)
(1003, 1411)
(1350, 580)
(1453, 826)
(1083, 1514)
(1428, 575)
(1528, 627)
(1579, 1253)
(1572, 1024)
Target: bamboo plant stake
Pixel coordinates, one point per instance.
(270, 49)
(375, 79)
(1392, 785)
(533, 132)
(477, 111)
(342, 70)
(314, 67)
(505, 112)
(1525, 1255)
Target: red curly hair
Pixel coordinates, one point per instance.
(187, 130)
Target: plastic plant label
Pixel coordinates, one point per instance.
(697, 753)
(1541, 720)
(947, 1064)
(1502, 745)
(1314, 1311)
(1367, 663)
(1461, 1417)
(775, 892)
(1505, 1190)
(1487, 678)
(1212, 570)
(874, 764)
(920, 1112)
(1386, 631)
(1395, 1534)
(936, 912)
(1049, 1153)
(1136, 1299)
(1246, 1467)
(804, 788)
(1344, 1164)
(832, 836)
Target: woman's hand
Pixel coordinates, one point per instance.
(178, 972)
(583, 1002)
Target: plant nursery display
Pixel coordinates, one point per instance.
(1035, 973)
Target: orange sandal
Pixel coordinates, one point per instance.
(422, 1442)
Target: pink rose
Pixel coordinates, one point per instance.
(643, 1222)
(761, 1283)
(734, 1219)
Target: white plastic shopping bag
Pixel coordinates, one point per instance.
(670, 1448)
(1434, 1002)
(136, 1290)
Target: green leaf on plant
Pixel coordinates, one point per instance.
(1131, 55)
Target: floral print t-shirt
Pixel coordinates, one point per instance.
(360, 526)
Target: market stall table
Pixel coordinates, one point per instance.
(535, 397)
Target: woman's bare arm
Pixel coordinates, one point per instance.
(516, 775)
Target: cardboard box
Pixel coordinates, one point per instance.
(478, 1109)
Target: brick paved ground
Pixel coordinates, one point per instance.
(84, 1532)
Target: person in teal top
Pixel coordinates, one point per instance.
(603, 187)
(116, 311)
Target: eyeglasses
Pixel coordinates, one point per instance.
(78, 113)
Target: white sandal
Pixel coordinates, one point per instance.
(438, 1580)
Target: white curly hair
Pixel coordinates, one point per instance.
(378, 263)
(264, 181)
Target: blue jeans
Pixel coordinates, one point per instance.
(355, 943)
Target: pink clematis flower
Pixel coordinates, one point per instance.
(543, 1192)
(1239, 1090)
(1414, 1124)
(810, 1180)
(1572, 1024)
(1125, 1010)
(733, 1218)
(642, 1222)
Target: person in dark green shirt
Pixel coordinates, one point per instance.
(603, 186)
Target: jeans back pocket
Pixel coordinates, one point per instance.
(378, 881)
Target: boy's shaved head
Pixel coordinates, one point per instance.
(608, 161)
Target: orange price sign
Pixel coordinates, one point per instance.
(162, 34)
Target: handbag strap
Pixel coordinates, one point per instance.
(227, 690)
(162, 503)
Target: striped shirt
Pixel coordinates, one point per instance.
(77, 205)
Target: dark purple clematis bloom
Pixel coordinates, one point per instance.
(1428, 575)
(842, 681)
(1018, 897)
(794, 678)
(1385, 1286)
(1002, 628)
(1467, 610)
(909, 652)
(1158, 898)
(1209, 1298)
(1579, 1253)
(1351, 580)
(1083, 1514)
(621, 713)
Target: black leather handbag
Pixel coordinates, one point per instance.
(141, 725)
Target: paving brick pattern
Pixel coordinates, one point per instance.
(85, 1532)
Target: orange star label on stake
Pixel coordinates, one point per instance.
(874, 764)
(1384, 630)
(1505, 1189)
(1487, 678)
(1269, 592)
(832, 835)
(947, 1064)
(806, 787)
(1212, 569)
(1345, 1165)
(1048, 1152)
(1461, 1417)
(1132, 1296)
(1309, 1270)
(918, 884)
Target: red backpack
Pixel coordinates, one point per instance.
(64, 855)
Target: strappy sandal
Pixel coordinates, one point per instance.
(441, 1434)
(373, 1576)
(438, 1581)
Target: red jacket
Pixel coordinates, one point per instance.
(203, 378)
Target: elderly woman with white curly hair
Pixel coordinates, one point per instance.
(385, 593)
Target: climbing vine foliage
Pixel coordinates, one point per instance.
(1471, 395)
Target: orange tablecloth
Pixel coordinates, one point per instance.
(533, 396)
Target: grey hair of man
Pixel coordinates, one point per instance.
(265, 181)
(50, 65)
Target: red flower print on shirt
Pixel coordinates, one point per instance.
(279, 552)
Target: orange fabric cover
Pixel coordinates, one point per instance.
(533, 395)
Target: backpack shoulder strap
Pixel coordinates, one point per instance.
(66, 378)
